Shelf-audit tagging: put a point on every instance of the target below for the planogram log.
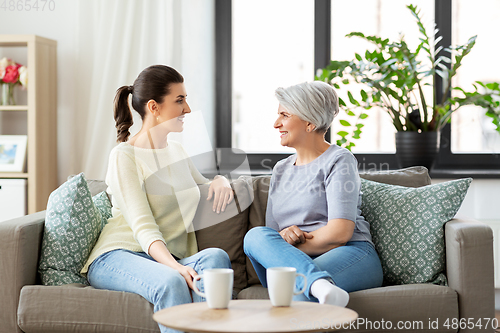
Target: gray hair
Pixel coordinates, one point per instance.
(315, 102)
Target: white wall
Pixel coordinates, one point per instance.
(196, 40)
(60, 25)
(482, 203)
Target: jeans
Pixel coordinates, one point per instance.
(354, 266)
(137, 272)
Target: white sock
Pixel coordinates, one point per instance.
(328, 293)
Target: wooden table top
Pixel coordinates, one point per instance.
(256, 316)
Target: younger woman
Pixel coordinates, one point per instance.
(149, 247)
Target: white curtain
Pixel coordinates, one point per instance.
(117, 39)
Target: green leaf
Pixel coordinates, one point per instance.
(350, 113)
(481, 84)
(358, 57)
(342, 133)
(364, 95)
(363, 116)
(352, 99)
(360, 125)
(458, 88)
(492, 86)
(344, 123)
(341, 102)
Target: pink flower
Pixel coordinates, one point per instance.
(11, 73)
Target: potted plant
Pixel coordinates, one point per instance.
(396, 78)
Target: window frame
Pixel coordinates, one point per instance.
(448, 164)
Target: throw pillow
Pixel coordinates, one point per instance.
(227, 229)
(101, 201)
(72, 226)
(407, 227)
(257, 216)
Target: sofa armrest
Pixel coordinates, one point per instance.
(20, 241)
(470, 269)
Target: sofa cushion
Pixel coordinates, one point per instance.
(227, 229)
(95, 186)
(256, 291)
(76, 308)
(257, 216)
(407, 227)
(410, 177)
(72, 226)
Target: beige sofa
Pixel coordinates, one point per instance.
(27, 306)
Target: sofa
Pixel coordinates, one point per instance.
(467, 300)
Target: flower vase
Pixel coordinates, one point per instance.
(7, 94)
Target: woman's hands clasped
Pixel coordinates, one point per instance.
(222, 193)
(293, 235)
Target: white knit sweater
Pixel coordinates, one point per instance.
(154, 196)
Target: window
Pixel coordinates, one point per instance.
(238, 23)
(472, 130)
(271, 48)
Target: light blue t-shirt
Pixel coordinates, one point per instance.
(310, 195)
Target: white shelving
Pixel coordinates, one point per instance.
(39, 116)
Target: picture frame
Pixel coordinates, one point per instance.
(13, 153)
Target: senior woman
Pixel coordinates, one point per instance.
(313, 217)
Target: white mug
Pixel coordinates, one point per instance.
(281, 285)
(218, 286)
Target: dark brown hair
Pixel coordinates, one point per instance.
(152, 83)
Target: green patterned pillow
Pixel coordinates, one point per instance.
(101, 201)
(407, 227)
(72, 225)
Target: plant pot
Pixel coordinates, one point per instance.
(415, 149)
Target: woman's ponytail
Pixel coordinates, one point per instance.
(123, 115)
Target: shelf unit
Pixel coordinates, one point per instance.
(41, 110)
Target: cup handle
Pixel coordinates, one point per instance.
(305, 285)
(195, 287)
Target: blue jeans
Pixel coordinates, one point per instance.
(354, 266)
(137, 272)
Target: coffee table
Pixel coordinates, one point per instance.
(256, 316)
